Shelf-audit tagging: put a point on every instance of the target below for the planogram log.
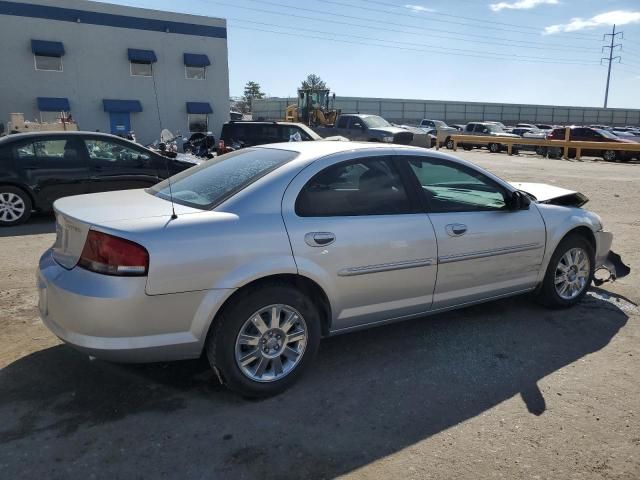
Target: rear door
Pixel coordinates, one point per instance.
(356, 230)
(119, 165)
(485, 250)
(53, 166)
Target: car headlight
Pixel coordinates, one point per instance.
(388, 139)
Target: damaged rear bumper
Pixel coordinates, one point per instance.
(609, 265)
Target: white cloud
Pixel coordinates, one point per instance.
(618, 17)
(521, 4)
(419, 8)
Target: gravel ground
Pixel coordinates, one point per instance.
(502, 390)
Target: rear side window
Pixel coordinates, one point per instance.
(364, 187)
(342, 122)
(212, 182)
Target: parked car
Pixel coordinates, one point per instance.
(439, 126)
(241, 134)
(38, 168)
(457, 126)
(273, 247)
(588, 134)
(490, 129)
(368, 128)
(525, 125)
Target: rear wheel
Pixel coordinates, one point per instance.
(15, 206)
(569, 273)
(467, 147)
(449, 144)
(494, 147)
(264, 340)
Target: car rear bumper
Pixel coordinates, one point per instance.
(114, 319)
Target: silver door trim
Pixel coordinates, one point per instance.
(488, 253)
(385, 267)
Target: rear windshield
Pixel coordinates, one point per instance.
(214, 181)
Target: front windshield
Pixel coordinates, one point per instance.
(214, 181)
(495, 128)
(440, 124)
(374, 121)
(607, 134)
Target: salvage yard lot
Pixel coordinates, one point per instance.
(502, 390)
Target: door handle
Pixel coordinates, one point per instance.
(319, 239)
(456, 229)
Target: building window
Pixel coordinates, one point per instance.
(52, 64)
(141, 69)
(195, 73)
(198, 122)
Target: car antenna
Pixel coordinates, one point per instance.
(166, 159)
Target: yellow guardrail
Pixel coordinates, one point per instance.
(565, 144)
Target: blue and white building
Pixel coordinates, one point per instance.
(113, 68)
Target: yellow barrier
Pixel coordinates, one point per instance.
(565, 144)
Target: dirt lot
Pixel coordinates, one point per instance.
(503, 390)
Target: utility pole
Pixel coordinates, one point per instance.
(611, 58)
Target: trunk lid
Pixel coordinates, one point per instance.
(76, 215)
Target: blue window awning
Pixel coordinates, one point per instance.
(196, 60)
(53, 104)
(122, 106)
(142, 56)
(199, 107)
(47, 49)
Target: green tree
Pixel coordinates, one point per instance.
(314, 82)
(252, 90)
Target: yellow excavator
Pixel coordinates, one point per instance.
(313, 108)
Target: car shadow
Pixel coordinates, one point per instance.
(38, 224)
(368, 395)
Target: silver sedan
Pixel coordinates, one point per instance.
(253, 257)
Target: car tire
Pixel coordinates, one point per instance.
(569, 255)
(15, 206)
(467, 147)
(231, 338)
(542, 151)
(515, 151)
(494, 147)
(611, 156)
(449, 144)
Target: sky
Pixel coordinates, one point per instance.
(515, 51)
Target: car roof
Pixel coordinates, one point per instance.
(27, 135)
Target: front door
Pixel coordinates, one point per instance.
(484, 249)
(120, 165)
(354, 229)
(120, 122)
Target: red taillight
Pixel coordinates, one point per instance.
(104, 253)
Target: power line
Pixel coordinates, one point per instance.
(384, 22)
(431, 52)
(270, 24)
(442, 14)
(499, 40)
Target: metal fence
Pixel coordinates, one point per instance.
(412, 111)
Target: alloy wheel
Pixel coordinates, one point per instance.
(271, 343)
(572, 273)
(610, 156)
(12, 207)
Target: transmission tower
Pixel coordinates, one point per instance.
(611, 47)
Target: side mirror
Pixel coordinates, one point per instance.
(519, 201)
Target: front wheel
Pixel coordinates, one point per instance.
(449, 144)
(494, 147)
(263, 341)
(569, 273)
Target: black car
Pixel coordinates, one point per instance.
(38, 168)
(250, 133)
